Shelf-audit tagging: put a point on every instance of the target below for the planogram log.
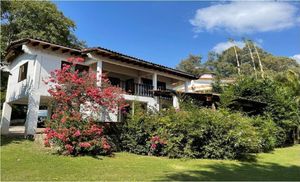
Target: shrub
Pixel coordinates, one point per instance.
(77, 101)
(281, 102)
(197, 133)
(267, 131)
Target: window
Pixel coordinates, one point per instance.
(114, 81)
(161, 85)
(146, 81)
(78, 67)
(23, 72)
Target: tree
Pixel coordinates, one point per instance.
(35, 19)
(192, 64)
(224, 64)
(279, 97)
(74, 126)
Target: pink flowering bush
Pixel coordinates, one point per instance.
(74, 126)
(157, 146)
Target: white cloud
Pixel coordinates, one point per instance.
(296, 57)
(246, 17)
(222, 46)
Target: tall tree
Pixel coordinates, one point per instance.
(35, 19)
(224, 64)
(192, 64)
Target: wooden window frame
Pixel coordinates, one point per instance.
(23, 71)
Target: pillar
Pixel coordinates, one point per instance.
(139, 80)
(5, 118)
(32, 114)
(154, 81)
(186, 86)
(175, 102)
(99, 73)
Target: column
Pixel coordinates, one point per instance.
(32, 114)
(139, 88)
(154, 84)
(139, 80)
(154, 81)
(175, 102)
(5, 118)
(99, 73)
(186, 86)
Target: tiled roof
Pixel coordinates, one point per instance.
(102, 51)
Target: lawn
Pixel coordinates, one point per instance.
(26, 160)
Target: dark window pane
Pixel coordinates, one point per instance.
(78, 67)
(81, 68)
(146, 81)
(114, 81)
(64, 62)
(161, 85)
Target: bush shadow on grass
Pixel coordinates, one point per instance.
(238, 172)
(7, 139)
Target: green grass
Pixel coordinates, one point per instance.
(25, 160)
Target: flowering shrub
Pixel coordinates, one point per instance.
(193, 132)
(157, 146)
(74, 127)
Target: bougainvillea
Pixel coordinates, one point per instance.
(79, 103)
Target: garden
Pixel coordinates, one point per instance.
(24, 160)
(189, 132)
(190, 143)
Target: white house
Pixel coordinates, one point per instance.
(31, 60)
(204, 83)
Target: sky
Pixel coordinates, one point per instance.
(167, 32)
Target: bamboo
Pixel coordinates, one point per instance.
(252, 58)
(236, 56)
(259, 61)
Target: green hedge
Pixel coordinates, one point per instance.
(197, 133)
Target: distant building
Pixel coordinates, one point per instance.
(204, 83)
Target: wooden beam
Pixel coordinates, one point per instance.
(46, 46)
(35, 44)
(65, 50)
(55, 48)
(74, 53)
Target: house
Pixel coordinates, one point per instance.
(204, 83)
(31, 60)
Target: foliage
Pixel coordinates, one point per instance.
(35, 19)
(217, 86)
(134, 136)
(4, 78)
(77, 101)
(157, 146)
(197, 133)
(280, 99)
(192, 64)
(224, 64)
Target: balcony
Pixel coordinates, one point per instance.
(135, 88)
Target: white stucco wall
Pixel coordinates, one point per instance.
(15, 89)
(42, 61)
